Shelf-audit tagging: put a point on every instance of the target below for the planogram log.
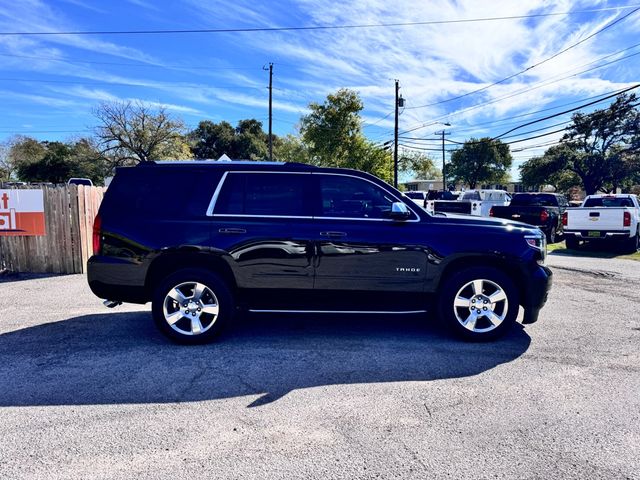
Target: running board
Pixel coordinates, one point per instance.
(359, 312)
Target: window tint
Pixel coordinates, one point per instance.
(530, 199)
(348, 197)
(609, 202)
(262, 194)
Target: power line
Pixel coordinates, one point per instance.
(141, 84)
(123, 64)
(609, 25)
(567, 111)
(521, 91)
(319, 27)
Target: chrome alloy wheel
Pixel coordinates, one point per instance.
(481, 306)
(190, 308)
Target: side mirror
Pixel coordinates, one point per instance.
(399, 211)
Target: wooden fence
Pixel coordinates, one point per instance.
(69, 213)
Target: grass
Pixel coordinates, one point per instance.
(598, 251)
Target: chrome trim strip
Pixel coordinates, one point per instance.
(214, 199)
(381, 312)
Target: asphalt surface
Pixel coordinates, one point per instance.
(87, 392)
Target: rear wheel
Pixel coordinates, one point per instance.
(192, 306)
(572, 243)
(479, 303)
(552, 236)
(633, 243)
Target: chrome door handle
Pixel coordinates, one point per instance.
(333, 234)
(232, 230)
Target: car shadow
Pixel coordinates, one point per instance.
(117, 358)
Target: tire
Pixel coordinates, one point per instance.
(572, 243)
(552, 236)
(632, 245)
(206, 306)
(489, 290)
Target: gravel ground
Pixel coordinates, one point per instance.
(87, 392)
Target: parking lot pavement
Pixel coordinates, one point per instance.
(87, 392)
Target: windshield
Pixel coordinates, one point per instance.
(542, 200)
(608, 202)
(473, 195)
(415, 195)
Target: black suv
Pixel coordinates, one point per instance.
(202, 239)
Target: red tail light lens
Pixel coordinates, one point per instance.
(491, 212)
(544, 216)
(626, 222)
(97, 231)
(564, 219)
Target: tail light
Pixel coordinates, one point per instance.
(626, 221)
(491, 212)
(97, 234)
(544, 216)
(564, 219)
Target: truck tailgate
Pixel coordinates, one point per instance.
(595, 218)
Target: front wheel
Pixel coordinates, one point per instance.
(192, 306)
(479, 303)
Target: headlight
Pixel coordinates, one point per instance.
(539, 242)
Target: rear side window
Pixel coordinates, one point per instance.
(263, 194)
(161, 192)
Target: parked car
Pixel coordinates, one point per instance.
(543, 210)
(604, 218)
(80, 181)
(277, 237)
(474, 202)
(434, 195)
(419, 197)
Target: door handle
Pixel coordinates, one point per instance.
(232, 230)
(333, 234)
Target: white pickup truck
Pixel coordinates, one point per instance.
(474, 202)
(604, 217)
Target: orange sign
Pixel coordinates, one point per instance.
(21, 213)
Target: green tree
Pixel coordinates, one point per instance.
(417, 165)
(291, 149)
(54, 166)
(602, 145)
(212, 140)
(129, 133)
(549, 169)
(332, 134)
(480, 161)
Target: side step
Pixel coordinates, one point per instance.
(357, 312)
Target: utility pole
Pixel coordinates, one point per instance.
(398, 103)
(271, 112)
(444, 169)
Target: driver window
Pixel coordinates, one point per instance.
(349, 197)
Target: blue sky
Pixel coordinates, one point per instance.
(49, 84)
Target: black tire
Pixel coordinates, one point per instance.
(483, 328)
(632, 245)
(572, 243)
(552, 236)
(215, 293)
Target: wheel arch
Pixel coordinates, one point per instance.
(167, 263)
(503, 264)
